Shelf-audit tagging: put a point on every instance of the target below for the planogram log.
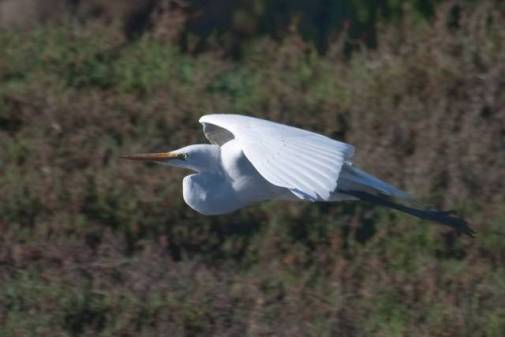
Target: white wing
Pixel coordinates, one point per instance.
(306, 163)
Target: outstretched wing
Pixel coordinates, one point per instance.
(306, 163)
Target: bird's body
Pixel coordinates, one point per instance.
(253, 160)
(232, 184)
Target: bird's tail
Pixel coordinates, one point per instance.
(361, 185)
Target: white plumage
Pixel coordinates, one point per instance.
(306, 163)
(252, 159)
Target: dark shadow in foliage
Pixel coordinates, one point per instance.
(317, 21)
(139, 20)
(231, 23)
(10, 119)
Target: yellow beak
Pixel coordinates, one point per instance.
(161, 156)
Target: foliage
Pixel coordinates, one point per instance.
(92, 245)
(316, 20)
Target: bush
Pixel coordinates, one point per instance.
(92, 245)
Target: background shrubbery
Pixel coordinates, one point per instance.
(91, 245)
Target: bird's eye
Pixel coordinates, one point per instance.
(182, 156)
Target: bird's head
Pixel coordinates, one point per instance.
(197, 157)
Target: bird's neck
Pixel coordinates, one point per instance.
(208, 162)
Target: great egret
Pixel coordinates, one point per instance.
(252, 160)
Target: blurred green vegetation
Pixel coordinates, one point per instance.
(234, 24)
(317, 21)
(93, 246)
(231, 25)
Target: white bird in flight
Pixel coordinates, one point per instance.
(252, 160)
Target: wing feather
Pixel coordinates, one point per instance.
(306, 163)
